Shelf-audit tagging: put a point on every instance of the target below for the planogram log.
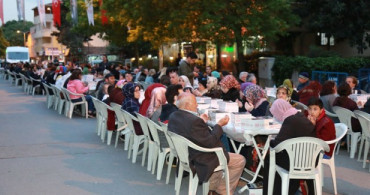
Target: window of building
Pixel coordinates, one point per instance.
(46, 39)
(324, 40)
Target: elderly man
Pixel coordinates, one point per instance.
(188, 124)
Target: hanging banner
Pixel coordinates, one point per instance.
(104, 18)
(41, 8)
(1, 12)
(74, 11)
(21, 10)
(56, 12)
(90, 11)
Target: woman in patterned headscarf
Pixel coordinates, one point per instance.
(214, 90)
(230, 88)
(256, 102)
(157, 100)
(131, 103)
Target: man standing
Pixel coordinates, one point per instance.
(185, 66)
(188, 124)
(103, 65)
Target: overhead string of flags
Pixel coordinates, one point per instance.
(56, 6)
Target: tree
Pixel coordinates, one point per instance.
(3, 44)
(345, 20)
(216, 20)
(10, 31)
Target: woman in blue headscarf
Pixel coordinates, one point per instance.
(131, 91)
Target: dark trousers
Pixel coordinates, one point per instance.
(90, 103)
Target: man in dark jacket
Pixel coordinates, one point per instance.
(185, 67)
(188, 124)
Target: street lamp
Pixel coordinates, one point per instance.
(24, 37)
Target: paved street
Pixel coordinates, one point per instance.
(42, 152)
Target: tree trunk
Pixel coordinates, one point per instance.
(241, 65)
(218, 54)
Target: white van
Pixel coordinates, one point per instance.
(17, 54)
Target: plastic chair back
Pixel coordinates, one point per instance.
(144, 124)
(364, 119)
(344, 116)
(302, 152)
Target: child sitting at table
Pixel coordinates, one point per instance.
(324, 126)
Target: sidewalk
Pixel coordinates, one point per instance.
(42, 152)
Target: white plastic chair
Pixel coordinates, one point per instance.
(70, 105)
(301, 104)
(135, 140)
(17, 78)
(36, 86)
(98, 115)
(105, 131)
(122, 127)
(159, 152)
(24, 83)
(182, 146)
(302, 152)
(173, 152)
(344, 116)
(364, 119)
(11, 76)
(340, 132)
(50, 100)
(151, 143)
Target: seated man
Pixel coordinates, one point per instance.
(173, 91)
(103, 88)
(188, 124)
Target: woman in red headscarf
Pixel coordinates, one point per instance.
(230, 88)
(148, 95)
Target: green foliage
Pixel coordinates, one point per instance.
(10, 31)
(3, 44)
(284, 66)
(319, 52)
(343, 19)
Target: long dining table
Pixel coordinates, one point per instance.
(246, 137)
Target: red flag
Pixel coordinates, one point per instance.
(1, 12)
(104, 18)
(56, 12)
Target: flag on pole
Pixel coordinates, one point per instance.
(21, 10)
(1, 12)
(56, 12)
(74, 11)
(104, 18)
(41, 8)
(90, 11)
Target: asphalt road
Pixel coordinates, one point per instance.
(42, 152)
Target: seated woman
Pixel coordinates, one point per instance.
(328, 95)
(156, 101)
(324, 126)
(214, 90)
(256, 102)
(283, 92)
(202, 88)
(293, 93)
(131, 91)
(311, 90)
(352, 82)
(241, 99)
(147, 97)
(185, 83)
(344, 90)
(230, 88)
(291, 119)
(75, 85)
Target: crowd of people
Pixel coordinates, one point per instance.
(170, 98)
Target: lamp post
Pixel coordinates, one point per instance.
(24, 37)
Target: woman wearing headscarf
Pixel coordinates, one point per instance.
(148, 95)
(293, 93)
(241, 99)
(290, 118)
(283, 92)
(230, 88)
(214, 90)
(185, 83)
(311, 90)
(131, 91)
(157, 100)
(256, 102)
